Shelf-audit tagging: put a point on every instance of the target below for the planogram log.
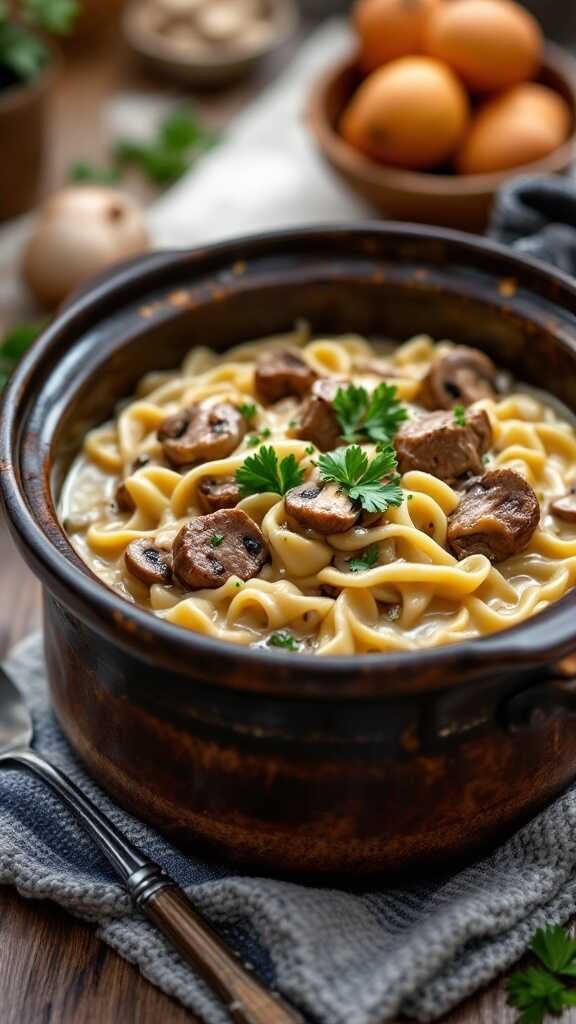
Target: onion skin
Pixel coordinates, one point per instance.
(80, 232)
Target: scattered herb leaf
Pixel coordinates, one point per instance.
(310, 449)
(262, 472)
(216, 539)
(22, 50)
(83, 173)
(375, 485)
(283, 638)
(253, 440)
(536, 992)
(179, 141)
(365, 560)
(374, 417)
(459, 415)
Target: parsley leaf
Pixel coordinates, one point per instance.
(52, 15)
(365, 560)
(375, 417)
(556, 949)
(248, 410)
(283, 638)
(216, 539)
(180, 139)
(459, 415)
(262, 472)
(83, 173)
(374, 484)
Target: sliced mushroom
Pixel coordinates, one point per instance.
(496, 517)
(459, 377)
(565, 508)
(318, 421)
(123, 498)
(202, 432)
(280, 374)
(322, 508)
(215, 492)
(437, 444)
(148, 562)
(210, 549)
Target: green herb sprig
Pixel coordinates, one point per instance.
(22, 49)
(538, 991)
(13, 346)
(374, 417)
(374, 484)
(365, 560)
(262, 473)
(180, 140)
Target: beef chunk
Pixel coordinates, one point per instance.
(201, 433)
(280, 374)
(210, 549)
(496, 517)
(460, 377)
(148, 562)
(215, 492)
(318, 421)
(322, 508)
(565, 508)
(437, 444)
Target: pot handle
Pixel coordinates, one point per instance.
(554, 697)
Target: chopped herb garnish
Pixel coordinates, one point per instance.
(374, 417)
(375, 485)
(253, 440)
(283, 638)
(216, 539)
(539, 991)
(310, 449)
(262, 472)
(83, 173)
(486, 459)
(292, 423)
(459, 415)
(265, 432)
(248, 410)
(365, 560)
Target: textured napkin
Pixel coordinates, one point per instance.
(357, 957)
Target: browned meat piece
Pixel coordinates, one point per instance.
(210, 549)
(318, 422)
(323, 509)
(461, 377)
(202, 433)
(148, 562)
(216, 492)
(565, 507)
(281, 374)
(496, 517)
(124, 499)
(437, 444)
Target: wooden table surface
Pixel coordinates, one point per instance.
(53, 970)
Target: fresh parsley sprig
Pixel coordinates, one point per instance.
(459, 413)
(374, 484)
(262, 472)
(22, 24)
(538, 991)
(365, 560)
(374, 417)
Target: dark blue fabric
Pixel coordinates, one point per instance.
(537, 217)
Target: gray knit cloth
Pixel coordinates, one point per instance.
(342, 957)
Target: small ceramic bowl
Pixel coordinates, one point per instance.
(450, 200)
(211, 71)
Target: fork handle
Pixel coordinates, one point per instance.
(162, 901)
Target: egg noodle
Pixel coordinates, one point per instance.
(416, 596)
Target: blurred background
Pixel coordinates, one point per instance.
(130, 124)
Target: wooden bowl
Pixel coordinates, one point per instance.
(293, 762)
(210, 72)
(462, 201)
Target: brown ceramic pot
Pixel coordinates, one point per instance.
(283, 761)
(462, 201)
(22, 143)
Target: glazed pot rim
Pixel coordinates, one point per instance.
(350, 677)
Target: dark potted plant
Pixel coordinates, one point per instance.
(26, 72)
